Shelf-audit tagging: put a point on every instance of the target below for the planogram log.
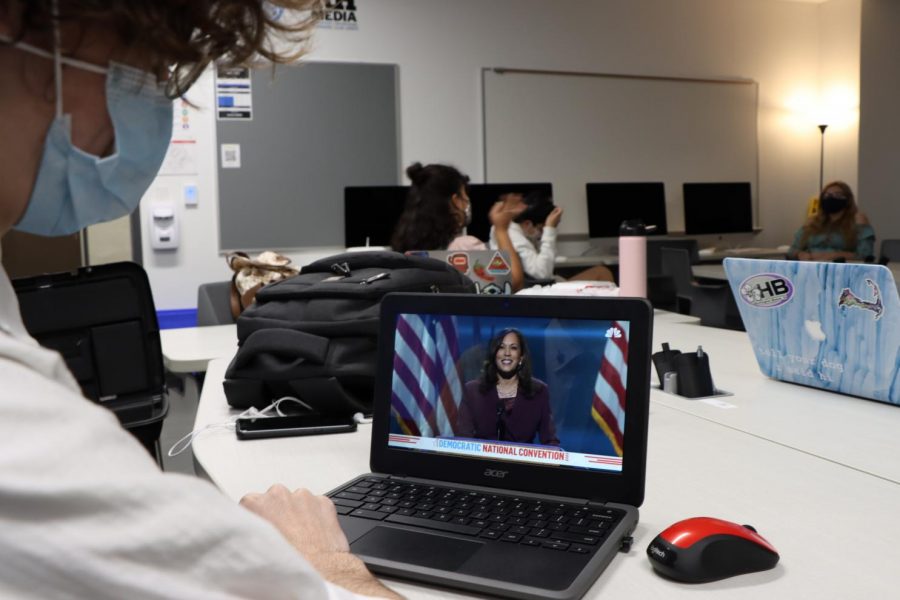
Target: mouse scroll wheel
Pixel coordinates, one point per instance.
(751, 528)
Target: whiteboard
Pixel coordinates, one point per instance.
(575, 128)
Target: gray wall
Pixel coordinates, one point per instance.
(316, 128)
(879, 121)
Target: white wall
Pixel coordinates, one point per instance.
(879, 136)
(441, 47)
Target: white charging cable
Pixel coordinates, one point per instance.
(229, 425)
(361, 419)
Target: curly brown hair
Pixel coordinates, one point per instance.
(182, 37)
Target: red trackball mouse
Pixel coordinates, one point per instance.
(705, 549)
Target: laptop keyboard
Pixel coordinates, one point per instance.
(550, 525)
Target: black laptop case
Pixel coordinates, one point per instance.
(102, 321)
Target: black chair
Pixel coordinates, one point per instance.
(660, 285)
(214, 304)
(890, 251)
(713, 304)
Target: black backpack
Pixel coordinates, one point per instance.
(314, 336)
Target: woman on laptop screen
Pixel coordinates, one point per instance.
(507, 403)
(438, 210)
(836, 231)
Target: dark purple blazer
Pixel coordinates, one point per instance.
(528, 417)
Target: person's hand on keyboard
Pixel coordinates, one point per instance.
(310, 524)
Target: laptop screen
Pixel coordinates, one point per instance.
(534, 390)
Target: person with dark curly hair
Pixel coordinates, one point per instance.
(86, 116)
(438, 209)
(507, 403)
(533, 235)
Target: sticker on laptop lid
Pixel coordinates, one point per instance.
(459, 261)
(498, 265)
(766, 290)
(481, 272)
(850, 300)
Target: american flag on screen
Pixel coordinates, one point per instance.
(608, 407)
(426, 385)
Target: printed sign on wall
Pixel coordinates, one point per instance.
(234, 96)
(339, 14)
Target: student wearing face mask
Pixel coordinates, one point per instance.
(438, 210)
(837, 231)
(533, 235)
(86, 113)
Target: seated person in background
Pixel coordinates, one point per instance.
(507, 403)
(438, 210)
(837, 230)
(533, 235)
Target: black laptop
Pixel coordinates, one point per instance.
(508, 444)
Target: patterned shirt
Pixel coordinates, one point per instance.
(833, 241)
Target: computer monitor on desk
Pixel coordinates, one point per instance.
(371, 214)
(484, 195)
(718, 208)
(608, 204)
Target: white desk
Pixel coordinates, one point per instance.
(710, 271)
(856, 433)
(188, 350)
(720, 254)
(810, 470)
(590, 260)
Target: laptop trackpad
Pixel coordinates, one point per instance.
(421, 549)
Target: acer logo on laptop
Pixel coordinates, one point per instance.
(495, 473)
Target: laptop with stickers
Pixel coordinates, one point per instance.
(528, 493)
(489, 269)
(834, 326)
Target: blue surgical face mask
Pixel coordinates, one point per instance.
(73, 188)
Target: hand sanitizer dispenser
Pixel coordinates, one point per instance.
(163, 226)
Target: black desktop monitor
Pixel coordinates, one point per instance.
(483, 196)
(608, 204)
(717, 208)
(371, 214)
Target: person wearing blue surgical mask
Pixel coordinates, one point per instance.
(837, 231)
(86, 116)
(76, 188)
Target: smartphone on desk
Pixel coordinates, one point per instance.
(269, 427)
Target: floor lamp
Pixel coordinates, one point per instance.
(822, 128)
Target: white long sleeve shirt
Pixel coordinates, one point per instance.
(537, 263)
(86, 513)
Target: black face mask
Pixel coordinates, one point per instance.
(832, 203)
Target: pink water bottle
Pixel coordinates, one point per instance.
(633, 259)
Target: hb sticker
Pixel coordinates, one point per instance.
(766, 290)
